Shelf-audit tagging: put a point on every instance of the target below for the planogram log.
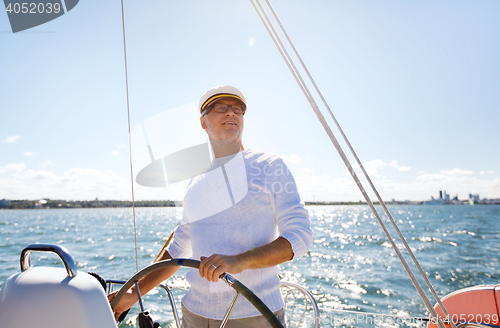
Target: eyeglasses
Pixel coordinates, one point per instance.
(222, 108)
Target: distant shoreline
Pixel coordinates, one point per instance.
(57, 203)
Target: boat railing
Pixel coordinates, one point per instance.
(300, 306)
(64, 255)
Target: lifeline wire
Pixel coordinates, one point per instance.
(276, 39)
(386, 210)
(129, 137)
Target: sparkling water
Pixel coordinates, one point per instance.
(351, 265)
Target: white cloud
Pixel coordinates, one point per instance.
(116, 152)
(456, 172)
(13, 168)
(459, 181)
(375, 164)
(43, 164)
(334, 183)
(321, 182)
(395, 165)
(292, 159)
(374, 167)
(29, 153)
(18, 181)
(486, 172)
(11, 139)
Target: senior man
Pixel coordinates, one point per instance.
(243, 217)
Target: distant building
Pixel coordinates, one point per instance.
(441, 200)
(473, 199)
(446, 198)
(494, 201)
(433, 201)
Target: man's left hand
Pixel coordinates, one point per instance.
(274, 253)
(211, 268)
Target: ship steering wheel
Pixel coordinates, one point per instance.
(235, 284)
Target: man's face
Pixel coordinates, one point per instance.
(224, 126)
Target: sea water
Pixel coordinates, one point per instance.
(351, 265)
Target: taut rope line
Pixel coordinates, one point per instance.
(129, 137)
(281, 48)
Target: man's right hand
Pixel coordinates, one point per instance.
(127, 301)
(145, 285)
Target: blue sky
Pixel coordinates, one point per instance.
(415, 86)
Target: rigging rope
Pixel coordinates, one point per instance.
(129, 137)
(382, 203)
(289, 61)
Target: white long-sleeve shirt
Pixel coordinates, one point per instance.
(244, 202)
